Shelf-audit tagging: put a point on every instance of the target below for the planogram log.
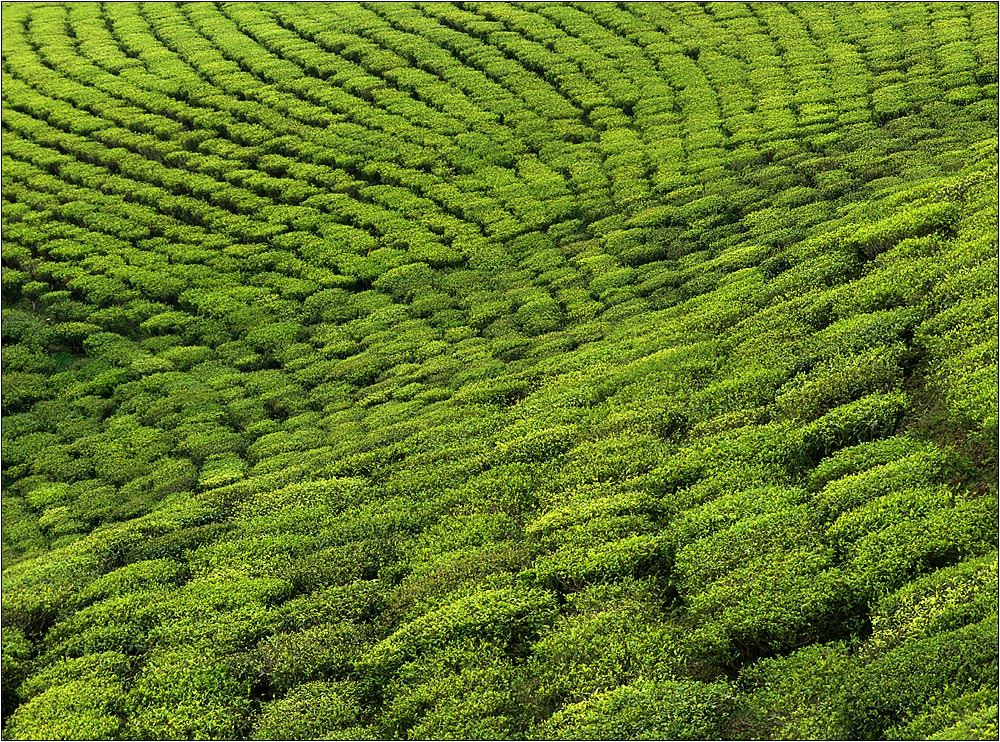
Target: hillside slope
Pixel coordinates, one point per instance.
(500, 371)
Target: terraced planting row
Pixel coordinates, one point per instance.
(481, 370)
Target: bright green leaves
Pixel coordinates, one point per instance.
(928, 672)
(499, 371)
(453, 668)
(508, 615)
(801, 695)
(764, 584)
(604, 639)
(537, 445)
(671, 709)
(313, 711)
(188, 693)
(329, 650)
(943, 600)
(76, 709)
(602, 534)
(917, 221)
(468, 689)
(869, 418)
(840, 380)
(886, 558)
(918, 675)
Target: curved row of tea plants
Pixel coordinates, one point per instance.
(499, 371)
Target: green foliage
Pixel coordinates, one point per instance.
(801, 695)
(889, 689)
(509, 615)
(17, 663)
(77, 709)
(602, 642)
(499, 371)
(855, 459)
(187, 693)
(886, 558)
(674, 709)
(288, 660)
(468, 690)
(312, 711)
(970, 716)
(842, 380)
(869, 418)
(537, 445)
(918, 221)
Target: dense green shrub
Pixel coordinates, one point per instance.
(841, 380)
(972, 715)
(647, 710)
(602, 643)
(885, 559)
(76, 709)
(288, 660)
(855, 459)
(311, 711)
(469, 690)
(187, 693)
(499, 371)
(802, 695)
(888, 690)
(943, 600)
(869, 418)
(506, 614)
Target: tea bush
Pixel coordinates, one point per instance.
(499, 370)
(310, 711)
(647, 710)
(801, 694)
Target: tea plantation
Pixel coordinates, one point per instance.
(505, 371)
